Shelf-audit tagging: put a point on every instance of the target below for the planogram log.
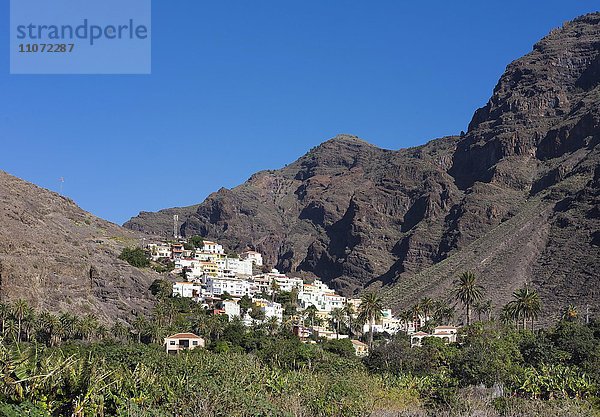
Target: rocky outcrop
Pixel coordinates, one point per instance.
(61, 258)
(514, 198)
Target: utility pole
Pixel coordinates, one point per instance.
(175, 226)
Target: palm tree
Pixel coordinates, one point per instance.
(417, 312)
(349, 314)
(427, 304)
(10, 328)
(479, 309)
(443, 313)
(4, 315)
(139, 325)
(310, 313)
(509, 315)
(119, 331)
(526, 305)
(406, 317)
(487, 308)
(47, 328)
(29, 322)
(337, 315)
(274, 289)
(570, 313)
(467, 292)
(272, 324)
(101, 331)
(88, 326)
(69, 324)
(371, 309)
(159, 313)
(19, 311)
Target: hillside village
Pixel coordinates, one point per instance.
(241, 286)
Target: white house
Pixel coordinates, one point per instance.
(448, 334)
(187, 289)
(233, 286)
(360, 348)
(234, 267)
(194, 267)
(230, 308)
(182, 341)
(387, 323)
(271, 309)
(285, 283)
(159, 250)
(254, 257)
(321, 296)
(212, 247)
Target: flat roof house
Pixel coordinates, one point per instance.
(183, 341)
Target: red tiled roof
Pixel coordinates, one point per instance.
(184, 336)
(421, 334)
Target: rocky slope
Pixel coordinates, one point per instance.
(515, 198)
(59, 257)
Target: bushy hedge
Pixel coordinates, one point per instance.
(135, 257)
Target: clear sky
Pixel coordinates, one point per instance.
(242, 86)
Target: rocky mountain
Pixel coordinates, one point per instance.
(61, 258)
(515, 198)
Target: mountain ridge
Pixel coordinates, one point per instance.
(360, 216)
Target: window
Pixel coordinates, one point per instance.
(172, 342)
(195, 343)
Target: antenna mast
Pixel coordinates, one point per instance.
(176, 226)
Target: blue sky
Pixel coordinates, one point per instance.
(241, 86)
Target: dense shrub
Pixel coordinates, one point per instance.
(135, 257)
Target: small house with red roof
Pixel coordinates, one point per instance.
(446, 333)
(183, 341)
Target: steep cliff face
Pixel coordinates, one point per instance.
(515, 198)
(59, 257)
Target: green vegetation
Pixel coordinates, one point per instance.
(196, 241)
(67, 365)
(135, 257)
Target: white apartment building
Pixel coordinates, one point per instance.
(206, 256)
(159, 250)
(187, 289)
(195, 268)
(234, 267)
(230, 308)
(387, 323)
(271, 309)
(284, 283)
(235, 287)
(264, 282)
(253, 256)
(212, 247)
(321, 296)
